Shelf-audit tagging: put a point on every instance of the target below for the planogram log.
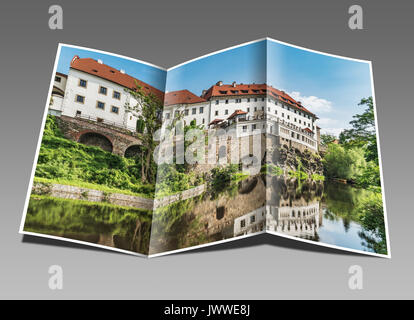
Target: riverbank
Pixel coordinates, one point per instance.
(55, 190)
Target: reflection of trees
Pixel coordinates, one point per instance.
(90, 222)
(372, 218)
(347, 204)
(171, 224)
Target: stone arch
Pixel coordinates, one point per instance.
(132, 151)
(91, 138)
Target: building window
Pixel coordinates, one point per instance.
(186, 112)
(167, 115)
(248, 109)
(242, 223)
(248, 99)
(78, 113)
(82, 83)
(58, 79)
(217, 101)
(252, 219)
(216, 113)
(193, 111)
(103, 90)
(116, 95)
(227, 101)
(288, 117)
(238, 100)
(253, 127)
(201, 109)
(255, 108)
(100, 105)
(275, 111)
(244, 128)
(283, 115)
(115, 109)
(262, 99)
(226, 111)
(203, 121)
(80, 99)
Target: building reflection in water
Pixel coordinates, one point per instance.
(296, 218)
(299, 219)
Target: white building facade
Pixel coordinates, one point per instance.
(97, 92)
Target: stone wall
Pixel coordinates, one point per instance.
(75, 128)
(78, 193)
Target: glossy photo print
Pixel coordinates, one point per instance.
(323, 167)
(263, 137)
(92, 182)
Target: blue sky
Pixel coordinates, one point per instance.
(328, 86)
(245, 64)
(151, 75)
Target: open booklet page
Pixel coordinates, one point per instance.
(209, 185)
(261, 137)
(269, 137)
(323, 166)
(94, 180)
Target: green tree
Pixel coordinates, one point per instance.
(149, 107)
(362, 134)
(343, 164)
(327, 139)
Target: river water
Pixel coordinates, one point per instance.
(326, 214)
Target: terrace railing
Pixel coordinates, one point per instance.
(106, 122)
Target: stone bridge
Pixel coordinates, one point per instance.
(112, 139)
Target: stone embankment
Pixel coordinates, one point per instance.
(92, 195)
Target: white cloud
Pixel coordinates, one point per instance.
(314, 104)
(332, 131)
(326, 122)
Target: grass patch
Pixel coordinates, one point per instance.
(88, 185)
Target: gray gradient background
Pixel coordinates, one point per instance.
(168, 33)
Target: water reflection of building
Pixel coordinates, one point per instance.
(298, 220)
(250, 222)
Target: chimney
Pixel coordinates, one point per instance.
(234, 84)
(122, 71)
(203, 93)
(219, 83)
(300, 103)
(100, 61)
(74, 59)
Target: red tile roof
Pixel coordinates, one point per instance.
(61, 74)
(252, 89)
(104, 71)
(215, 121)
(236, 113)
(181, 97)
(308, 130)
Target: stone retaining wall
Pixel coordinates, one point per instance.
(77, 193)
